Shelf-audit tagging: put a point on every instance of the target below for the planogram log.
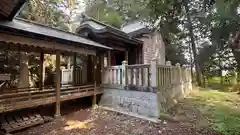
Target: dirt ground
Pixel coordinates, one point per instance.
(89, 121)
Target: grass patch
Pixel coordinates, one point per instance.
(220, 109)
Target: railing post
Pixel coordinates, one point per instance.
(179, 72)
(153, 71)
(169, 74)
(124, 74)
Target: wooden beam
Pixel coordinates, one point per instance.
(57, 114)
(74, 68)
(43, 44)
(42, 71)
(118, 48)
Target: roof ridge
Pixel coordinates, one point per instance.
(130, 22)
(99, 22)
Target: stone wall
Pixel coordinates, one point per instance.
(142, 103)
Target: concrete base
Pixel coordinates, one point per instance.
(141, 103)
(154, 120)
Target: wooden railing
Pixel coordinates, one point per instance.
(67, 76)
(33, 97)
(153, 75)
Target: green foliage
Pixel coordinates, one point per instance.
(209, 20)
(47, 12)
(118, 12)
(174, 53)
(100, 10)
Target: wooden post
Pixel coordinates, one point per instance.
(58, 114)
(24, 72)
(74, 69)
(136, 53)
(179, 73)
(142, 76)
(126, 55)
(169, 73)
(94, 101)
(42, 71)
(153, 71)
(109, 58)
(102, 68)
(140, 55)
(124, 74)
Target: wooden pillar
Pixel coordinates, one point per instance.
(90, 66)
(42, 71)
(109, 58)
(24, 72)
(74, 68)
(94, 101)
(102, 67)
(140, 56)
(126, 56)
(136, 53)
(58, 114)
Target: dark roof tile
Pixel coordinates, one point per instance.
(35, 28)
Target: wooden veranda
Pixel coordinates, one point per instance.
(24, 36)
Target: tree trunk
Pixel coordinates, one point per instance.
(220, 67)
(235, 46)
(237, 57)
(194, 50)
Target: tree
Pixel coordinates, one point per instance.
(100, 10)
(132, 10)
(46, 12)
(52, 13)
(178, 17)
(214, 21)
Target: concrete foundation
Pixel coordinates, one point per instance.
(141, 103)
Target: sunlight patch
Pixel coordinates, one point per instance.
(75, 124)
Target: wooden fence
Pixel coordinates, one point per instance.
(153, 75)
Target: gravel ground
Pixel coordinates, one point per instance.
(98, 121)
